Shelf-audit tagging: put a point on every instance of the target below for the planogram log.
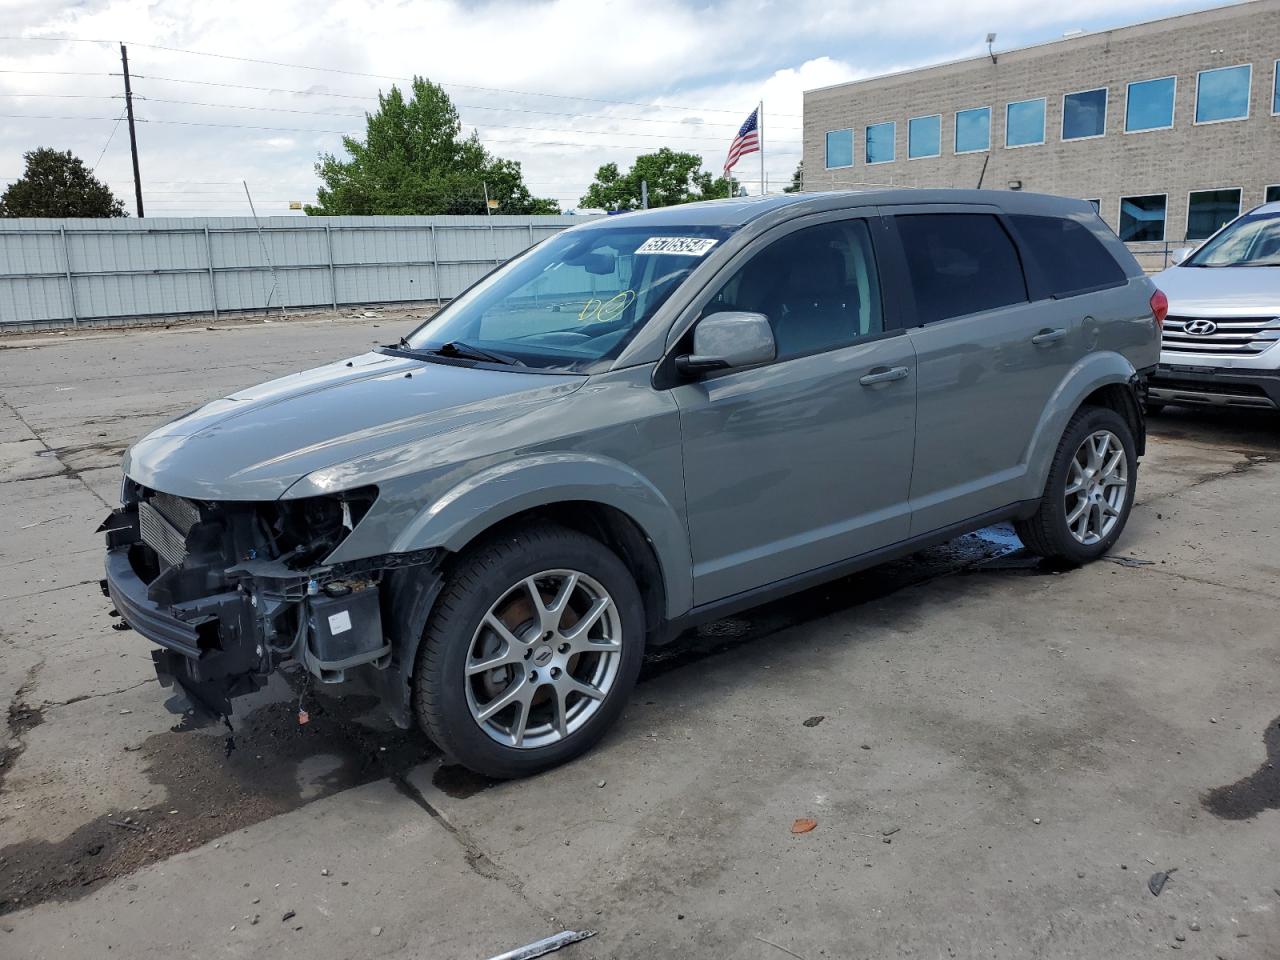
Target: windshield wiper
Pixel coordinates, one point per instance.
(454, 349)
(465, 351)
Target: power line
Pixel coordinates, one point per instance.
(460, 106)
(110, 137)
(66, 96)
(486, 124)
(380, 76)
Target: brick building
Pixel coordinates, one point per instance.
(1172, 127)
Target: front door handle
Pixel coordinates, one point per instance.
(883, 375)
(1045, 337)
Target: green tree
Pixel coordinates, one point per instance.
(414, 160)
(673, 177)
(57, 184)
(797, 180)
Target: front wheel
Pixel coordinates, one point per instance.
(1090, 489)
(531, 652)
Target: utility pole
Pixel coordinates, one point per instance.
(133, 136)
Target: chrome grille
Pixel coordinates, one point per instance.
(1231, 336)
(161, 535)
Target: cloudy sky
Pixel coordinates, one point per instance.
(254, 89)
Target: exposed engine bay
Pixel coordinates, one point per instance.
(233, 590)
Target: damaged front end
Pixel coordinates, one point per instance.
(230, 591)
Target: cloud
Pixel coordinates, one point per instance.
(705, 66)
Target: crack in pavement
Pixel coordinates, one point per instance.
(477, 860)
(66, 470)
(93, 696)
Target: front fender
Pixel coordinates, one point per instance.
(1092, 372)
(504, 490)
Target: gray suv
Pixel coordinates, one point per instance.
(641, 423)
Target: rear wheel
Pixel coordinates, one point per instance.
(531, 652)
(1090, 489)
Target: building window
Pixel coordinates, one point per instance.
(924, 136)
(1142, 218)
(1223, 94)
(1207, 210)
(1084, 114)
(880, 137)
(1273, 194)
(1275, 89)
(1148, 105)
(839, 148)
(1024, 123)
(1097, 206)
(973, 130)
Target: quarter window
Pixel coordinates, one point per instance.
(839, 148)
(1149, 105)
(1142, 218)
(1070, 258)
(880, 137)
(818, 287)
(1084, 114)
(1223, 94)
(959, 263)
(1024, 123)
(1208, 210)
(973, 130)
(924, 136)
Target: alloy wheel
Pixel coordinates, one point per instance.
(543, 659)
(1097, 484)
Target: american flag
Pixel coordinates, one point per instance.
(747, 141)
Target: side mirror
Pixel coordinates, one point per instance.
(729, 339)
(1181, 254)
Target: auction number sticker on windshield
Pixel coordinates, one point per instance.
(681, 246)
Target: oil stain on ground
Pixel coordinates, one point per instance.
(277, 766)
(1251, 795)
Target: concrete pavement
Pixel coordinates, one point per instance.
(1005, 755)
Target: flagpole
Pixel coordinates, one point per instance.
(760, 129)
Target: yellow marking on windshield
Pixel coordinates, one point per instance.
(596, 309)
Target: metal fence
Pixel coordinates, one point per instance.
(62, 272)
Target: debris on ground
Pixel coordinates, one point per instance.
(803, 825)
(890, 831)
(127, 825)
(1130, 561)
(288, 915)
(814, 721)
(540, 948)
(1158, 880)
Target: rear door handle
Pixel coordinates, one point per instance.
(883, 375)
(1048, 336)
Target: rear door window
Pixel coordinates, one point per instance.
(1069, 257)
(959, 263)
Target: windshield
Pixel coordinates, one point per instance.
(574, 301)
(1252, 241)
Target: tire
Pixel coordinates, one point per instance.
(486, 614)
(1048, 532)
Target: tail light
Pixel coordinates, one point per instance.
(1159, 308)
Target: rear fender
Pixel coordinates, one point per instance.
(1091, 373)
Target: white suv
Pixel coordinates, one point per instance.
(1220, 339)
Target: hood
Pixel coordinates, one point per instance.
(255, 443)
(1221, 291)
